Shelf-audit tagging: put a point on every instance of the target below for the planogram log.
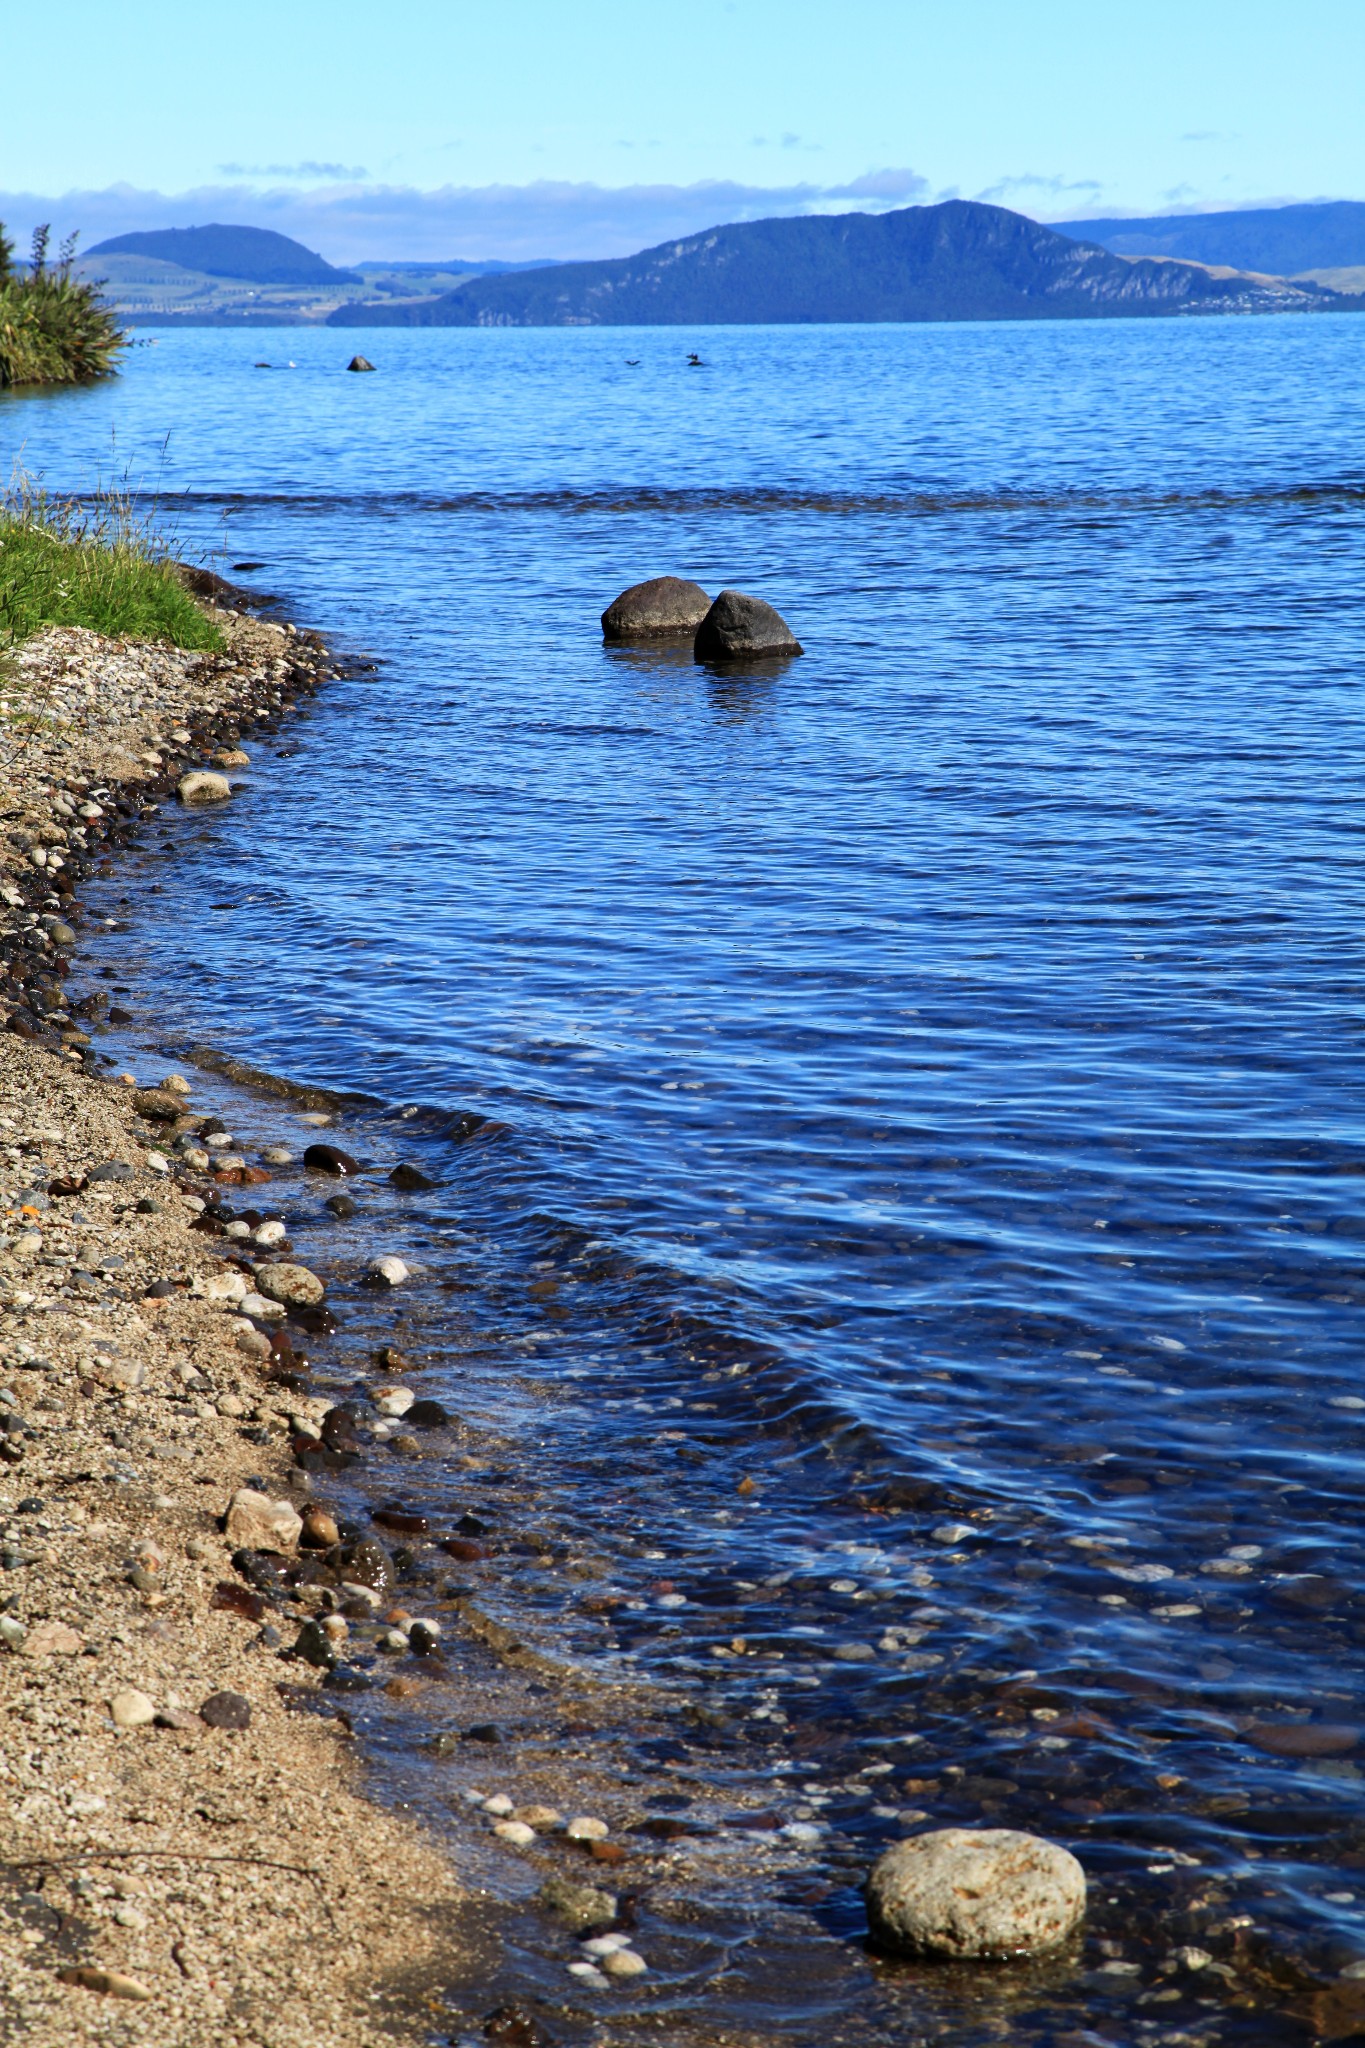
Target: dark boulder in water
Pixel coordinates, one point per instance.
(740, 628)
(330, 1159)
(356, 363)
(427, 1415)
(648, 611)
(410, 1179)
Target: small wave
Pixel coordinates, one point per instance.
(1328, 494)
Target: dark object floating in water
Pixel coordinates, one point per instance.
(646, 611)
(260, 366)
(632, 362)
(330, 1159)
(360, 363)
(243, 568)
(410, 1179)
(740, 628)
(694, 362)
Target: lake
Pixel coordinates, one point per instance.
(896, 1115)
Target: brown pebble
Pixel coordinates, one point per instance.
(320, 1531)
(178, 1718)
(113, 1983)
(607, 1852)
(406, 1521)
(52, 1639)
(229, 1598)
(1303, 1738)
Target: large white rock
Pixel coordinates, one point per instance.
(255, 1522)
(203, 787)
(974, 1892)
(229, 1286)
(386, 1272)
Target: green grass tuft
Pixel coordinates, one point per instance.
(54, 328)
(99, 566)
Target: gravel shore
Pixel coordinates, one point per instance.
(207, 1871)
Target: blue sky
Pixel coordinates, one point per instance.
(539, 128)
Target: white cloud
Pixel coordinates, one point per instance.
(1006, 189)
(1171, 209)
(348, 221)
(306, 170)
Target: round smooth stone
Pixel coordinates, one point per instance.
(975, 1893)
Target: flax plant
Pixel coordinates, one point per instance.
(54, 327)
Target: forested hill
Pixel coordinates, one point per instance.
(255, 255)
(956, 261)
(1283, 240)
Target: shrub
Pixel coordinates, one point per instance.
(54, 328)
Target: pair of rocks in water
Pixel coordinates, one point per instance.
(735, 628)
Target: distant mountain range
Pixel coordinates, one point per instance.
(247, 255)
(453, 263)
(223, 276)
(1284, 241)
(956, 261)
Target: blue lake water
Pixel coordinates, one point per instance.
(924, 1078)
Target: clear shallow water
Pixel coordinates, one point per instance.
(942, 1053)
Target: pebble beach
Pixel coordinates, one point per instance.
(180, 1844)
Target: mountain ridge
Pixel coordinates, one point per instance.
(958, 260)
(1285, 241)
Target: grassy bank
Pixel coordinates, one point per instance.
(54, 328)
(100, 566)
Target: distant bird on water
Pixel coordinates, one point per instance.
(694, 362)
(632, 362)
